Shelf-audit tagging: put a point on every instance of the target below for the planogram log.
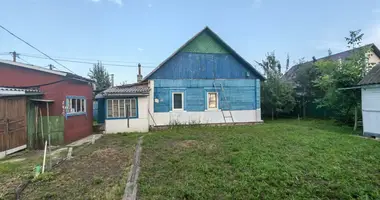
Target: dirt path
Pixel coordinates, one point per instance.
(130, 192)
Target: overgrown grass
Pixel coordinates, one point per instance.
(97, 171)
(16, 170)
(284, 159)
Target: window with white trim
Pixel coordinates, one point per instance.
(121, 108)
(212, 100)
(75, 105)
(177, 101)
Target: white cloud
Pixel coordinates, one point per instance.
(118, 2)
(140, 49)
(150, 5)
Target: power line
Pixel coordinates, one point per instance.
(85, 62)
(34, 48)
(23, 60)
(93, 60)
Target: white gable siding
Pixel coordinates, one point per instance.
(371, 110)
(373, 58)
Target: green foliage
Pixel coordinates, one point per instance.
(100, 75)
(335, 75)
(277, 94)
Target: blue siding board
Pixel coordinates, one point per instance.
(186, 65)
(239, 94)
(101, 111)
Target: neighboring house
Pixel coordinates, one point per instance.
(309, 108)
(204, 82)
(373, 59)
(66, 99)
(370, 86)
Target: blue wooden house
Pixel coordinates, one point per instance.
(205, 81)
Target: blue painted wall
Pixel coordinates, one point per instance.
(101, 111)
(239, 94)
(186, 65)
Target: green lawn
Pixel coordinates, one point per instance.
(277, 160)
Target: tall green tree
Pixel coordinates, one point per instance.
(276, 93)
(306, 91)
(336, 76)
(99, 74)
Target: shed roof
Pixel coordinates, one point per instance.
(135, 89)
(11, 91)
(46, 70)
(219, 40)
(373, 77)
(24, 90)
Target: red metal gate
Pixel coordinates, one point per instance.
(13, 132)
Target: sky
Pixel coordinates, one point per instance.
(148, 31)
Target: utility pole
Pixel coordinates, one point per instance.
(14, 55)
(51, 67)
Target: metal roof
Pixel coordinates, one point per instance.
(291, 73)
(373, 76)
(28, 90)
(218, 39)
(136, 89)
(46, 70)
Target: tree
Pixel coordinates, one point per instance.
(354, 39)
(337, 76)
(306, 91)
(100, 75)
(276, 93)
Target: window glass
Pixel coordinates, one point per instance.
(177, 101)
(73, 105)
(122, 108)
(78, 106)
(83, 105)
(109, 108)
(133, 109)
(115, 110)
(212, 100)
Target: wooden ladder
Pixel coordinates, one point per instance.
(225, 116)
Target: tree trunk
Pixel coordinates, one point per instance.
(303, 104)
(356, 118)
(272, 114)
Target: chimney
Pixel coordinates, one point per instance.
(112, 80)
(139, 76)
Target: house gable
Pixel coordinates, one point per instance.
(205, 56)
(204, 43)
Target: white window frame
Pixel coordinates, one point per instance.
(77, 110)
(208, 101)
(124, 114)
(183, 103)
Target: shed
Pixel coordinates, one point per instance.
(14, 118)
(370, 87)
(67, 95)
